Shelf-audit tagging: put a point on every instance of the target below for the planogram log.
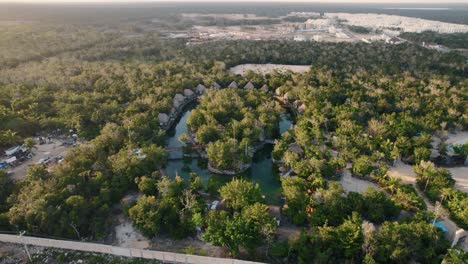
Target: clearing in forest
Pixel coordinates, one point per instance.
(267, 68)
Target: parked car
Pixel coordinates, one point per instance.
(43, 161)
(214, 204)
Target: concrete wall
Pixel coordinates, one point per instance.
(118, 251)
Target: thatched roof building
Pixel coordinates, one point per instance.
(278, 91)
(188, 93)
(295, 148)
(200, 89)
(265, 88)
(233, 85)
(176, 104)
(216, 86)
(301, 109)
(179, 98)
(163, 119)
(249, 85)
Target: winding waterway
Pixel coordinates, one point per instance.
(263, 171)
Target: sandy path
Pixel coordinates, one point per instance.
(402, 171)
(352, 184)
(460, 175)
(127, 236)
(406, 174)
(457, 138)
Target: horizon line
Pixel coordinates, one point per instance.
(419, 2)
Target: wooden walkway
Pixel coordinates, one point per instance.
(165, 257)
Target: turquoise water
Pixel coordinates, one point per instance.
(285, 123)
(263, 171)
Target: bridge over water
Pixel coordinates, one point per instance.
(179, 148)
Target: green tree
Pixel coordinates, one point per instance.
(404, 242)
(29, 143)
(240, 193)
(143, 215)
(294, 190)
(147, 186)
(421, 154)
(363, 166)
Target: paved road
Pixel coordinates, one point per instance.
(167, 257)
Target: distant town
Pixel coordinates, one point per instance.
(311, 26)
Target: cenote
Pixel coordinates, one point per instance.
(263, 171)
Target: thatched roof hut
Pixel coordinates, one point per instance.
(301, 109)
(265, 88)
(216, 86)
(283, 169)
(295, 148)
(297, 103)
(278, 91)
(176, 104)
(200, 89)
(163, 118)
(188, 93)
(233, 85)
(249, 85)
(179, 98)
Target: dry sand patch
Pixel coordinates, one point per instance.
(268, 68)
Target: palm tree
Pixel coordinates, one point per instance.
(392, 184)
(29, 143)
(445, 193)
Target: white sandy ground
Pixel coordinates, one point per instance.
(267, 68)
(127, 236)
(352, 184)
(406, 174)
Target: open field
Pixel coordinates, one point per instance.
(268, 68)
(223, 16)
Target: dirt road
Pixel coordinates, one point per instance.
(352, 184)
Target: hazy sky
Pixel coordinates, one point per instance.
(311, 1)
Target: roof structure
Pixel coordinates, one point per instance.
(216, 86)
(278, 91)
(163, 118)
(179, 97)
(249, 85)
(295, 148)
(301, 109)
(233, 85)
(176, 103)
(12, 151)
(265, 88)
(200, 89)
(188, 92)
